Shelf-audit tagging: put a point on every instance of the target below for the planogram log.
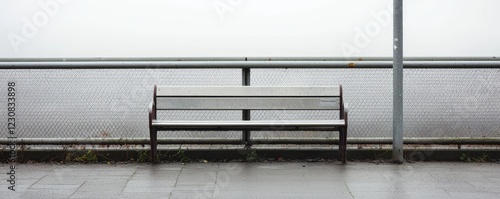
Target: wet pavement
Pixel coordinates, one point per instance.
(255, 180)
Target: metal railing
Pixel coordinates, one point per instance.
(246, 64)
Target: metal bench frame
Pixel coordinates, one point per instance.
(248, 98)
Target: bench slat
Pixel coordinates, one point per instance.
(248, 91)
(322, 125)
(250, 103)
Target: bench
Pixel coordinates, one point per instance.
(248, 98)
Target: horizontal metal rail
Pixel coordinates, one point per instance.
(292, 149)
(127, 59)
(237, 141)
(244, 64)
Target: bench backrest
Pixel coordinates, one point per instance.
(247, 98)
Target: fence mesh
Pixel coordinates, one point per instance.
(113, 102)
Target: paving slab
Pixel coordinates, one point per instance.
(256, 180)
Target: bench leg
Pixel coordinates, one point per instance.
(343, 144)
(154, 143)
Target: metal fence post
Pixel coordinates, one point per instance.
(246, 113)
(397, 114)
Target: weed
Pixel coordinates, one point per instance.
(69, 157)
(253, 157)
(479, 159)
(380, 157)
(144, 156)
(465, 158)
(89, 156)
(181, 156)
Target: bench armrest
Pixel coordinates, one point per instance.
(150, 107)
(346, 111)
(151, 111)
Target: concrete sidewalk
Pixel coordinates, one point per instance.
(255, 180)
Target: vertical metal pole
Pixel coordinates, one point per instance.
(397, 113)
(246, 113)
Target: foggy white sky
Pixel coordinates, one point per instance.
(170, 28)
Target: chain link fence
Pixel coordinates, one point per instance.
(74, 103)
